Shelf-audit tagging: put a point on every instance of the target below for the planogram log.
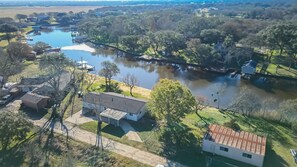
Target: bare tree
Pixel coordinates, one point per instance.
(246, 103)
(131, 81)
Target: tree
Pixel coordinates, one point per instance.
(288, 110)
(131, 81)
(8, 66)
(199, 53)
(246, 103)
(212, 36)
(20, 17)
(13, 128)
(277, 36)
(7, 29)
(171, 101)
(18, 51)
(40, 47)
(108, 71)
(171, 41)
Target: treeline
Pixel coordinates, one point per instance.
(184, 33)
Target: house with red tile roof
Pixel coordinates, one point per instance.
(238, 145)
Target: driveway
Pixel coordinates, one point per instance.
(130, 131)
(78, 118)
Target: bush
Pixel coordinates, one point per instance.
(232, 124)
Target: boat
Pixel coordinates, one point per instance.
(75, 34)
(83, 65)
(53, 50)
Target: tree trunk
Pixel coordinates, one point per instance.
(131, 91)
(8, 37)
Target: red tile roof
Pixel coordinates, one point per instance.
(241, 140)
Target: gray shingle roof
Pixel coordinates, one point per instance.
(114, 114)
(116, 101)
(33, 98)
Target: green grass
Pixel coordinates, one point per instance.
(56, 152)
(109, 131)
(280, 138)
(30, 69)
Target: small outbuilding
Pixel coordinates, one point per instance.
(241, 146)
(249, 68)
(35, 101)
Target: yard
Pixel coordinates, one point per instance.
(57, 153)
(280, 138)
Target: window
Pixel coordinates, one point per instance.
(247, 155)
(224, 149)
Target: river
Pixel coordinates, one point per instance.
(199, 82)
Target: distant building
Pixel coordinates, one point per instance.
(31, 19)
(249, 68)
(113, 107)
(241, 146)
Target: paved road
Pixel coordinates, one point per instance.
(116, 147)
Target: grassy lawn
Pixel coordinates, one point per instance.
(55, 152)
(30, 69)
(280, 138)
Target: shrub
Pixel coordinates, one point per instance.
(232, 124)
(294, 127)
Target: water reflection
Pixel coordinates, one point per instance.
(199, 82)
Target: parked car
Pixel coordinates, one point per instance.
(294, 154)
(5, 99)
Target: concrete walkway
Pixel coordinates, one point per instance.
(116, 147)
(130, 132)
(78, 118)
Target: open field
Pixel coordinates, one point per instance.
(12, 11)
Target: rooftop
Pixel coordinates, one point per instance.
(33, 97)
(116, 101)
(114, 114)
(241, 140)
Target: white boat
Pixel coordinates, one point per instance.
(83, 65)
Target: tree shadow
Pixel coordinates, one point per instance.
(114, 131)
(33, 114)
(12, 157)
(272, 158)
(180, 144)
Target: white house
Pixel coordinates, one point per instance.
(113, 107)
(249, 68)
(241, 146)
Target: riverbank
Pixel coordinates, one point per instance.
(82, 47)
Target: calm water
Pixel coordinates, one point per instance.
(200, 83)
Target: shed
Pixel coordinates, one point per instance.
(249, 68)
(35, 101)
(241, 146)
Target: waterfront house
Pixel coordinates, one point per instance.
(241, 146)
(112, 107)
(249, 68)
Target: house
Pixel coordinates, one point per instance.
(241, 146)
(113, 107)
(31, 19)
(35, 101)
(249, 68)
(31, 56)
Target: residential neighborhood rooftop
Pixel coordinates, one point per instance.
(242, 140)
(116, 101)
(114, 114)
